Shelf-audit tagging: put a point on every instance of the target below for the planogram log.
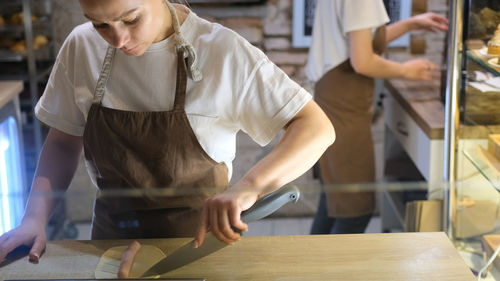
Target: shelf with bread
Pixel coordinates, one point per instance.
(12, 25)
(487, 160)
(12, 50)
(481, 95)
(487, 56)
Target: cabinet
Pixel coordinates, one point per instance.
(472, 117)
(27, 54)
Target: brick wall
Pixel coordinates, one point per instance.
(267, 25)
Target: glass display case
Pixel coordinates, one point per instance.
(472, 130)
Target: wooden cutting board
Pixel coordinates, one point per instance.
(391, 256)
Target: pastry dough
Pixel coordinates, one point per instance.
(108, 265)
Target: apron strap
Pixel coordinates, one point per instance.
(182, 45)
(104, 75)
(180, 84)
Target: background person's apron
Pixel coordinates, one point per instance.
(347, 99)
(148, 150)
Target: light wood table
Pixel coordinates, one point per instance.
(394, 256)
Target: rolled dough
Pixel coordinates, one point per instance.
(108, 265)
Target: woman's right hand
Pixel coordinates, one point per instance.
(419, 69)
(29, 233)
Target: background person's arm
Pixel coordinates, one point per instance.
(428, 21)
(366, 62)
(306, 137)
(56, 167)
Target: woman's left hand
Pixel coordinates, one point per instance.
(429, 21)
(222, 212)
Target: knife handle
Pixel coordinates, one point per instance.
(270, 203)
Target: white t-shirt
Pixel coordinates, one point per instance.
(333, 19)
(240, 90)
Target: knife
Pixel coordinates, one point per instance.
(186, 254)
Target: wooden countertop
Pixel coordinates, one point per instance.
(422, 102)
(9, 90)
(393, 256)
(421, 99)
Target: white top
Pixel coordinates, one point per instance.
(240, 90)
(333, 19)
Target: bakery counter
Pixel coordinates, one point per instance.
(414, 114)
(394, 256)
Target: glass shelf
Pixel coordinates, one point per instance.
(475, 56)
(486, 164)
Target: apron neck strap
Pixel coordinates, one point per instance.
(175, 19)
(104, 75)
(182, 45)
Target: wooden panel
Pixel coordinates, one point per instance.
(9, 90)
(394, 256)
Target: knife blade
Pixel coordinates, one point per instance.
(186, 254)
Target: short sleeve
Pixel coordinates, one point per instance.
(270, 101)
(57, 107)
(362, 14)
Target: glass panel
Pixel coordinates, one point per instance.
(11, 183)
(477, 167)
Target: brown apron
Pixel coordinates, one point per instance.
(347, 99)
(148, 150)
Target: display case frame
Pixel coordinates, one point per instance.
(471, 175)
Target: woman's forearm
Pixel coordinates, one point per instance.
(397, 29)
(377, 67)
(56, 167)
(307, 136)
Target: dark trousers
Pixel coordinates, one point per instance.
(323, 224)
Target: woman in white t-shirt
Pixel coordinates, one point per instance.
(154, 95)
(348, 38)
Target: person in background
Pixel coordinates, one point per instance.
(348, 39)
(154, 97)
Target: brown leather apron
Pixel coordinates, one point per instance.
(148, 150)
(347, 98)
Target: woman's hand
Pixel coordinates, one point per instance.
(222, 212)
(419, 69)
(29, 233)
(128, 259)
(429, 21)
